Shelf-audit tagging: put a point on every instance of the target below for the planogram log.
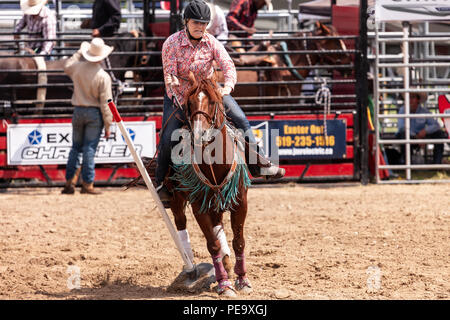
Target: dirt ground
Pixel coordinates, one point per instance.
(342, 241)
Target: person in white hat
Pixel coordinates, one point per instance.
(243, 13)
(41, 24)
(91, 91)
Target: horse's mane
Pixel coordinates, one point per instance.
(210, 86)
(330, 29)
(212, 90)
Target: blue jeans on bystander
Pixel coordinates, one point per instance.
(87, 126)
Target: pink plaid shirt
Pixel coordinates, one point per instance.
(40, 26)
(179, 57)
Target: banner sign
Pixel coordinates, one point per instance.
(42, 143)
(412, 10)
(301, 139)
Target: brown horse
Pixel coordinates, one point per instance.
(28, 63)
(296, 60)
(65, 92)
(213, 178)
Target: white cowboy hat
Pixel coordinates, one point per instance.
(32, 7)
(96, 50)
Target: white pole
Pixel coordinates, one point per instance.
(187, 261)
(405, 50)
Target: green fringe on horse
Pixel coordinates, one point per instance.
(195, 188)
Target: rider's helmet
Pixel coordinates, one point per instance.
(197, 10)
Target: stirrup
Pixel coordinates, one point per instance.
(273, 172)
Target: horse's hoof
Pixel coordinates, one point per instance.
(225, 289)
(243, 285)
(228, 294)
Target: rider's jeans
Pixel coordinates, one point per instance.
(232, 110)
(165, 143)
(87, 126)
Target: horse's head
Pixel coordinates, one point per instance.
(204, 108)
(332, 44)
(136, 45)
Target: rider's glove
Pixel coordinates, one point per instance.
(226, 90)
(171, 81)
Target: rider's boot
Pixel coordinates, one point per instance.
(271, 171)
(263, 167)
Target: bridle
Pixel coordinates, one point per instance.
(213, 124)
(329, 58)
(211, 120)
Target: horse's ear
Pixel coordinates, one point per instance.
(327, 29)
(319, 28)
(192, 80)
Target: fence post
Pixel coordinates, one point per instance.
(405, 51)
(146, 19)
(362, 93)
(175, 16)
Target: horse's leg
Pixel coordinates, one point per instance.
(178, 207)
(225, 251)
(205, 222)
(238, 215)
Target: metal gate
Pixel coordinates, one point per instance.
(348, 105)
(407, 62)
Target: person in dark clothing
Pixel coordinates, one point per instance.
(106, 18)
(421, 128)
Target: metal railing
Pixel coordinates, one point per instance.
(424, 62)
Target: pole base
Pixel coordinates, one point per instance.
(196, 281)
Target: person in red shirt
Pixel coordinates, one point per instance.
(243, 13)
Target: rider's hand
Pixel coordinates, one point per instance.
(226, 90)
(171, 81)
(422, 134)
(95, 33)
(251, 30)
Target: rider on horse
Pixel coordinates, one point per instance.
(193, 49)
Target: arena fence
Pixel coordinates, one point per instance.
(141, 101)
(410, 64)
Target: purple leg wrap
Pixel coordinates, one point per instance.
(239, 267)
(221, 273)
